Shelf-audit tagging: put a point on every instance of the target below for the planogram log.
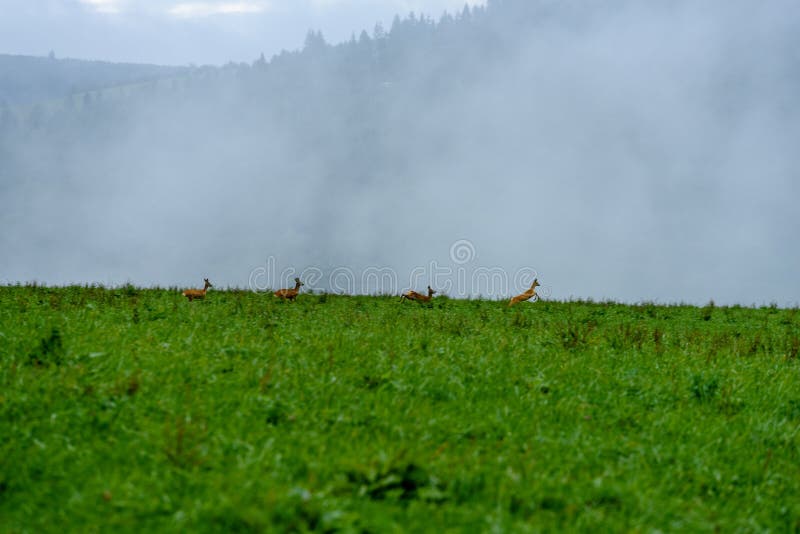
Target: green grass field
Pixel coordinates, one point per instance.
(134, 410)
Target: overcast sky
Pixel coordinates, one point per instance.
(179, 32)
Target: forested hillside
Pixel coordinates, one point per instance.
(326, 121)
(27, 79)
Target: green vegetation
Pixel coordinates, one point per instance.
(135, 410)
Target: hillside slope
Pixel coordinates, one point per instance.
(140, 411)
(28, 79)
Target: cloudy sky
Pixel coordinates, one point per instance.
(180, 32)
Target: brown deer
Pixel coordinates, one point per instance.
(419, 297)
(290, 294)
(198, 294)
(527, 295)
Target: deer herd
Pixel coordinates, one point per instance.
(291, 294)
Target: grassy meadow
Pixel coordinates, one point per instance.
(133, 410)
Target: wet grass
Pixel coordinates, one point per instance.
(132, 410)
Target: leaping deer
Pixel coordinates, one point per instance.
(198, 294)
(527, 295)
(290, 294)
(419, 297)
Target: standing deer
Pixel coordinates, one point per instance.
(290, 294)
(527, 295)
(198, 294)
(419, 297)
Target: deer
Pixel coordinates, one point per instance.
(290, 294)
(419, 297)
(530, 293)
(198, 294)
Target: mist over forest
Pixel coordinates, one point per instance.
(623, 150)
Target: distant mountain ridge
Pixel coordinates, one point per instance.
(29, 79)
